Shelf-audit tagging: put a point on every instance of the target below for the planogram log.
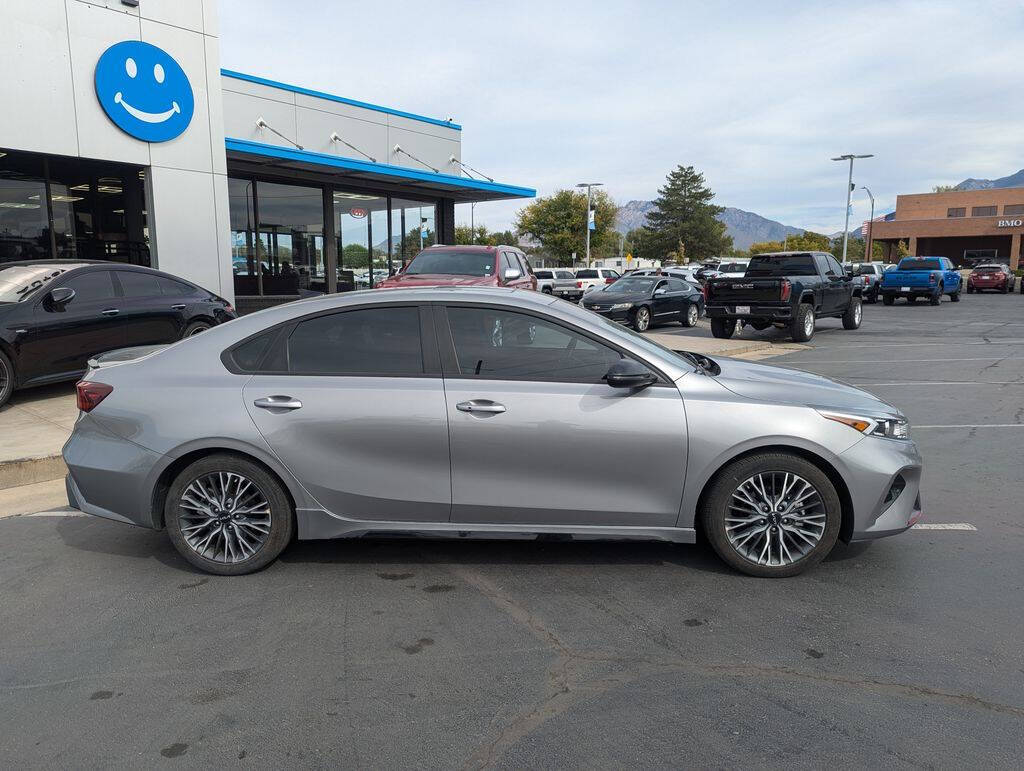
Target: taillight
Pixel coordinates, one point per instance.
(579, 284)
(91, 394)
(787, 289)
(706, 289)
(932, 278)
(609, 280)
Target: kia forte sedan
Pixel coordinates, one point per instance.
(422, 411)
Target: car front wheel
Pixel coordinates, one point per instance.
(228, 516)
(7, 379)
(772, 515)
(642, 318)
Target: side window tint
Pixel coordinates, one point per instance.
(834, 266)
(373, 341)
(138, 284)
(90, 287)
(500, 344)
(172, 288)
(249, 354)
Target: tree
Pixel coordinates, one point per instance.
(807, 241)
(558, 222)
(943, 188)
(683, 216)
(354, 256)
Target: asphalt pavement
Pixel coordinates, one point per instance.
(473, 654)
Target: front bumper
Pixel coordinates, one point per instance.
(872, 467)
(622, 316)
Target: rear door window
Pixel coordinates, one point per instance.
(136, 285)
(370, 341)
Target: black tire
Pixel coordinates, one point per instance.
(800, 329)
(196, 328)
(955, 297)
(854, 314)
(281, 515)
(8, 379)
(888, 299)
(970, 289)
(871, 298)
(718, 499)
(936, 298)
(641, 320)
(546, 290)
(723, 328)
(911, 299)
(689, 317)
(1006, 288)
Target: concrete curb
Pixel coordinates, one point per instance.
(27, 471)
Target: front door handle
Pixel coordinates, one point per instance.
(480, 405)
(179, 307)
(110, 312)
(278, 403)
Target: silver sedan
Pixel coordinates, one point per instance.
(472, 410)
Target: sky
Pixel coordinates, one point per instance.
(756, 95)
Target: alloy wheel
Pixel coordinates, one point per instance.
(809, 324)
(643, 319)
(775, 518)
(5, 379)
(199, 329)
(857, 313)
(224, 517)
(691, 316)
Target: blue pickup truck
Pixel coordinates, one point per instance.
(915, 277)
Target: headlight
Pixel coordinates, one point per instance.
(621, 306)
(886, 428)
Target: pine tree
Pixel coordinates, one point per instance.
(683, 214)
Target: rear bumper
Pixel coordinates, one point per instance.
(987, 284)
(572, 295)
(917, 291)
(110, 477)
(757, 311)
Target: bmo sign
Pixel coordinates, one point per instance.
(1010, 223)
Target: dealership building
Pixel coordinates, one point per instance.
(122, 139)
(968, 226)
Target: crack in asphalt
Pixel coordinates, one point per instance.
(567, 683)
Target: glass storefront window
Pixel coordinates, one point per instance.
(361, 229)
(76, 208)
(412, 223)
(243, 237)
(290, 239)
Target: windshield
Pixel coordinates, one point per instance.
(543, 274)
(782, 265)
(920, 265)
(632, 284)
(865, 270)
(452, 263)
(20, 281)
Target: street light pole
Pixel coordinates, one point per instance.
(588, 185)
(849, 189)
(868, 254)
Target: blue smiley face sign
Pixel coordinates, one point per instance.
(144, 91)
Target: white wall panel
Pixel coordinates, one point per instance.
(220, 200)
(215, 104)
(242, 110)
(187, 14)
(315, 129)
(258, 90)
(433, 150)
(35, 89)
(211, 22)
(422, 127)
(93, 30)
(183, 213)
(340, 108)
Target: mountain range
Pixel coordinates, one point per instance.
(745, 227)
(1013, 180)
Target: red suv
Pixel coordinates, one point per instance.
(994, 276)
(465, 266)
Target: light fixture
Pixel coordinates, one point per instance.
(336, 138)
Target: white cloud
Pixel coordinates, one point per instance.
(757, 95)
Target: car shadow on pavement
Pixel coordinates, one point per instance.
(119, 540)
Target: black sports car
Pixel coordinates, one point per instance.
(641, 301)
(56, 314)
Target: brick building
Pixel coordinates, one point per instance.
(968, 226)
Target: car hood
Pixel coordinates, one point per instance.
(764, 382)
(434, 279)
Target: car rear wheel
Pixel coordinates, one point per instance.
(642, 318)
(955, 297)
(228, 516)
(723, 327)
(888, 299)
(772, 515)
(936, 298)
(802, 327)
(690, 315)
(970, 289)
(854, 314)
(196, 328)
(546, 290)
(7, 379)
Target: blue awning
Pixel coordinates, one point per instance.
(462, 189)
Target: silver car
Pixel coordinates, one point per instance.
(424, 410)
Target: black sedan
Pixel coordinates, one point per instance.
(641, 301)
(56, 314)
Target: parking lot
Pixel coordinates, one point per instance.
(477, 654)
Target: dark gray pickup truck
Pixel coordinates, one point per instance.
(786, 289)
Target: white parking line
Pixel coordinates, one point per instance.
(903, 361)
(944, 383)
(980, 425)
(947, 526)
(948, 343)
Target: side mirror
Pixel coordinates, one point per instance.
(627, 373)
(62, 295)
(511, 274)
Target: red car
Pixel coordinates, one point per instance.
(993, 276)
(465, 266)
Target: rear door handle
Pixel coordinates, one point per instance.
(179, 307)
(278, 403)
(480, 405)
(110, 312)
